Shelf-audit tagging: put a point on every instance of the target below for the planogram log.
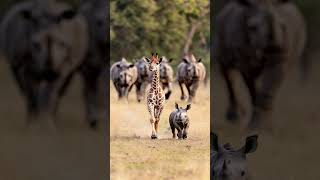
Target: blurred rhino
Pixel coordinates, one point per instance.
(259, 39)
(190, 72)
(144, 78)
(226, 163)
(166, 76)
(179, 120)
(93, 70)
(124, 75)
(61, 49)
(18, 26)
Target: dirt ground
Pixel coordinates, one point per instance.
(135, 156)
(71, 151)
(289, 152)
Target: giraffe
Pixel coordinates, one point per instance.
(155, 95)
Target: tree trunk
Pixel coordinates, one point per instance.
(190, 36)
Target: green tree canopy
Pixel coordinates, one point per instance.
(140, 27)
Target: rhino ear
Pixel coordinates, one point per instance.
(251, 144)
(176, 106)
(188, 107)
(199, 60)
(160, 60)
(68, 14)
(245, 2)
(131, 65)
(227, 146)
(170, 60)
(214, 142)
(27, 14)
(186, 61)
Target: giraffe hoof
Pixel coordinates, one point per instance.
(154, 137)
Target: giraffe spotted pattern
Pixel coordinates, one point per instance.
(155, 95)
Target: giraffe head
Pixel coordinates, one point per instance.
(153, 62)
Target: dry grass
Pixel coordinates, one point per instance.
(135, 156)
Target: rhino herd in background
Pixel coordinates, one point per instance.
(190, 72)
(46, 42)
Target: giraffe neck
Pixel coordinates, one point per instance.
(156, 80)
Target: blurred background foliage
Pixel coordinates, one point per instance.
(140, 27)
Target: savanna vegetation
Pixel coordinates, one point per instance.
(170, 28)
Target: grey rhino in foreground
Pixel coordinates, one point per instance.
(179, 120)
(259, 39)
(226, 163)
(18, 26)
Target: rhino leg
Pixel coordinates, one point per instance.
(28, 90)
(169, 86)
(192, 91)
(271, 79)
(116, 87)
(234, 109)
(91, 97)
(180, 133)
(138, 91)
(20, 76)
(185, 131)
(129, 90)
(172, 129)
(183, 96)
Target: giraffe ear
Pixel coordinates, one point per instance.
(176, 105)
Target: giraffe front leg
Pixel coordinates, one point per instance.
(159, 109)
(157, 115)
(152, 121)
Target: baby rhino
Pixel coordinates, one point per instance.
(228, 163)
(179, 120)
